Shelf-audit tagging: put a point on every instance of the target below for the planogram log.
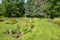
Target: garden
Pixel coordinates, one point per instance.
(29, 19)
(29, 29)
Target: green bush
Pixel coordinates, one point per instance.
(57, 20)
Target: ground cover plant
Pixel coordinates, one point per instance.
(15, 28)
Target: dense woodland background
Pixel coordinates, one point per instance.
(32, 8)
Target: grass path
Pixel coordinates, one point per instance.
(44, 31)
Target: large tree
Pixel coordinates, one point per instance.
(13, 8)
(35, 7)
(53, 8)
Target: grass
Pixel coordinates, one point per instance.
(42, 31)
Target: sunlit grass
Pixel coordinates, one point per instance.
(43, 30)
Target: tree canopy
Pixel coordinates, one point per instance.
(32, 8)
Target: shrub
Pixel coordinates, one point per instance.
(57, 20)
(1, 18)
(13, 31)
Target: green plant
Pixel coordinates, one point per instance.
(57, 20)
(10, 21)
(1, 18)
(14, 31)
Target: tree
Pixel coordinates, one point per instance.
(35, 7)
(13, 8)
(52, 8)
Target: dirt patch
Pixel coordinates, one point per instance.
(32, 26)
(17, 35)
(58, 24)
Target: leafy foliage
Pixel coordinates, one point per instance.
(12, 8)
(57, 20)
(53, 8)
(32, 8)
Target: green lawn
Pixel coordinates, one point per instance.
(42, 31)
